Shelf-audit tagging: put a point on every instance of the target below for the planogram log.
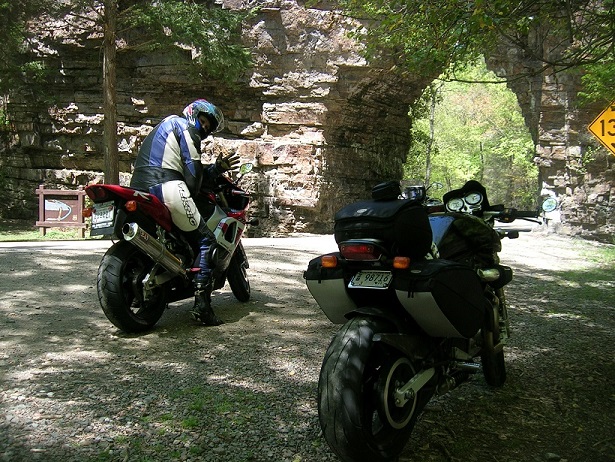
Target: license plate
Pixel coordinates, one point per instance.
(103, 215)
(371, 279)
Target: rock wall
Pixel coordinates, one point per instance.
(573, 166)
(320, 125)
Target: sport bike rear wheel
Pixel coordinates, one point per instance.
(356, 405)
(120, 289)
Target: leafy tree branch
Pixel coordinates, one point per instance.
(428, 37)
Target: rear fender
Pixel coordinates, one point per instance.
(149, 204)
(400, 323)
(406, 338)
(108, 192)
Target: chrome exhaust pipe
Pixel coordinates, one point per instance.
(153, 248)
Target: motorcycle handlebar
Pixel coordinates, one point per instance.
(510, 215)
(526, 214)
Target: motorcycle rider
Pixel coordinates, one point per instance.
(169, 166)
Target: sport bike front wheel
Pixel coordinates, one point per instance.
(237, 276)
(120, 289)
(494, 365)
(356, 403)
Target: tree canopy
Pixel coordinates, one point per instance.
(430, 36)
(165, 25)
(474, 132)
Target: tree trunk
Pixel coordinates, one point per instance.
(432, 124)
(481, 155)
(112, 168)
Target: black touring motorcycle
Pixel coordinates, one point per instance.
(420, 293)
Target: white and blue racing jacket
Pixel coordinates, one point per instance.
(172, 151)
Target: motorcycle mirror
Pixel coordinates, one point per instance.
(549, 204)
(416, 193)
(436, 186)
(245, 168)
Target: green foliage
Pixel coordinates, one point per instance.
(427, 37)
(4, 122)
(594, 42)
(156, 26)
(598, 82)
(480, 134)
(19, 64)
(213, 32)
(35, 72)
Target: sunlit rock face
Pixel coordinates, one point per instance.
(573, 166)
(320, 124)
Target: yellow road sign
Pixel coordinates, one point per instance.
(603, 127)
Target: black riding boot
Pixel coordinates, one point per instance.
(202, 310)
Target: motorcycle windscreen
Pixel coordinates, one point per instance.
(439, 226)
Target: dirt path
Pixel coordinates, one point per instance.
(74, 388)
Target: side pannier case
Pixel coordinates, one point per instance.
(328, 288)
(444, 297)
(402, 224)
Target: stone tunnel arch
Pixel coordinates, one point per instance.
(321, 125)
(475, 116)
(326, 126)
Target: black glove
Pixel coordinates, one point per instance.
(229, 162)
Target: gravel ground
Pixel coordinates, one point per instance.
(74, 388)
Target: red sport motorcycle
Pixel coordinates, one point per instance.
(152, 264)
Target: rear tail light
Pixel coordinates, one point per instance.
(360, 251)
(87, 213)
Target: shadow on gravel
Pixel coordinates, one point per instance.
(75, 388)
(555, 404)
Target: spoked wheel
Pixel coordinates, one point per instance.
(494, 366)
(356, 395)
(120, 289)
(237, 276)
